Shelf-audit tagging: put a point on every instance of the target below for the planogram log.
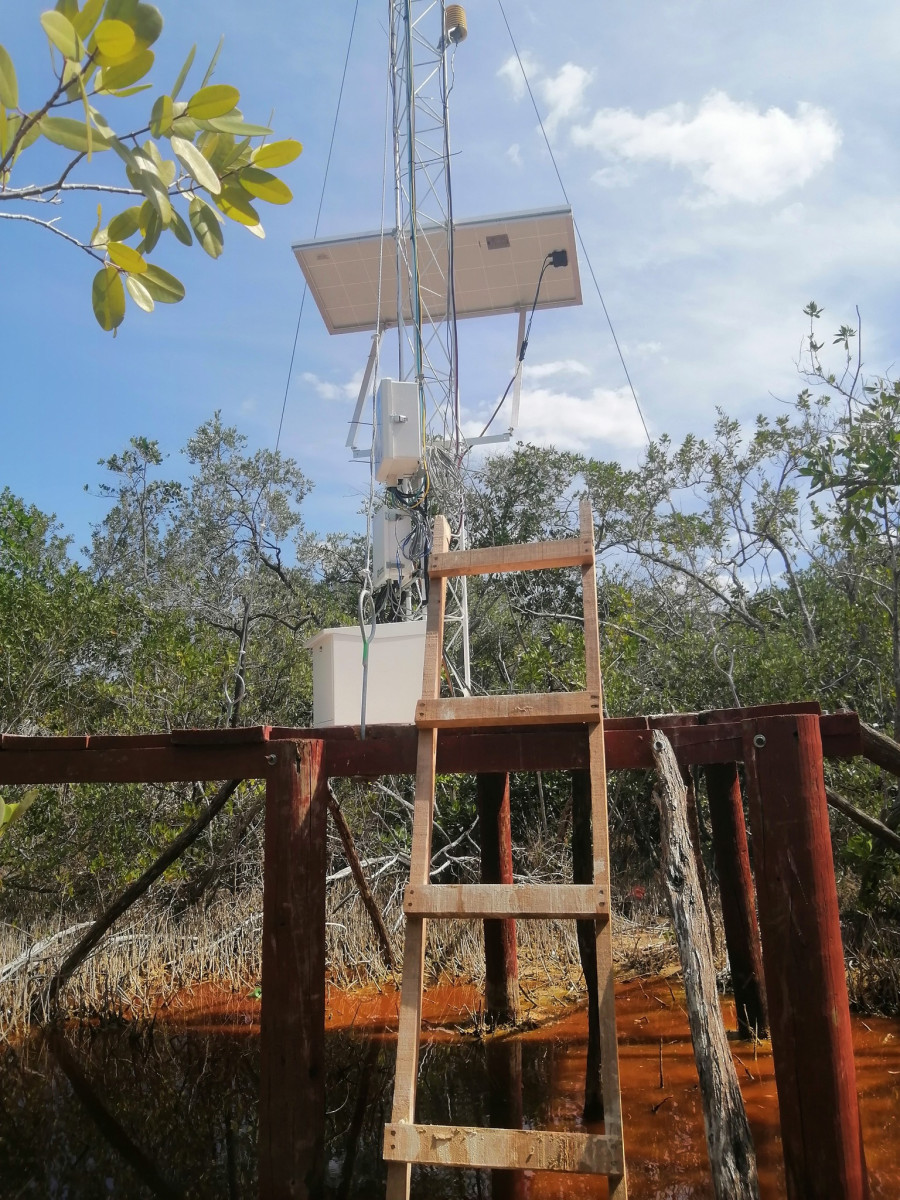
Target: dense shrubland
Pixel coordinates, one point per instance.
(748, 567)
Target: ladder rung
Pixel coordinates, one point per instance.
(533, 556)
(504, 1149)
(567, 900)
(547, 708)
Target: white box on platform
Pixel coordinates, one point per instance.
(396, 659)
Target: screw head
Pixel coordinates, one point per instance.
(272, 759)
(759, 740)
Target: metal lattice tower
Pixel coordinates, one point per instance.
(421, 77)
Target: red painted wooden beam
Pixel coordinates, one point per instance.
(216, 754)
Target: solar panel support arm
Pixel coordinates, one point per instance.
(517, 386)
(361, 398)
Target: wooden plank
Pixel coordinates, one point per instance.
(609, 1050)
(714, 715)
(391, 749)
(155, 764)
(560, 900)
(803, 960)
(220, 737)
(292, 1040)
(550, 708)
(18, 741)
(531, 556)
(503, 1149)
(409, 1030)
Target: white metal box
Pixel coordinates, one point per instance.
(398, 430)
(391, 531)
(396, 659)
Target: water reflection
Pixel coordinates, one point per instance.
(170, 1111)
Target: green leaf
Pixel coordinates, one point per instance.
(184, 127)
(108, 298)
(9, 87)
(214, 101)
(212, 62)
(233, 202)
(165, 168)
(277, 154)
(139, 293)
(265, 186)
(64, 131)
(132, 91)
(62, 35)
(151, 227)
(125, 74)
(183, 73)
(161, 116)
(121, 10)
(68, 8)
(146, 180)
(206, 226)
(178, 226)
(125, 224)
(83, 22)
(147, 24)
(196, 165)
(163, 287)
(236, 125)
(115, 41)
(10, 813)
(126, 257)
(4, 132)
(96, 228)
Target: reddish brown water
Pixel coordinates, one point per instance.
(172, 1112)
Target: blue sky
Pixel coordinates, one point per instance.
(726, 162)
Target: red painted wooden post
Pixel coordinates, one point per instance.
(292, 1034)
(803, 960)
(729, 835)
(501, 984)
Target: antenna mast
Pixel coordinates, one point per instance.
(424, 35)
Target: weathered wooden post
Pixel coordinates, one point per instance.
(583, 872)
(729, 835)
(292, 1034)
(501, 984)
(504, 1066)
(803, 960)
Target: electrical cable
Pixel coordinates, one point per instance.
(366, 598)
(547, 262)
(577, 230)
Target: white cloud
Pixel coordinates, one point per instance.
(567, 366)
(563, 94)
(734, 151)
(604, 418)
(514, 155)
(511, 73)
(333, 391)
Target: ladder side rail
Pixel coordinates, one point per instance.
(406, 1070)
(609, 1049)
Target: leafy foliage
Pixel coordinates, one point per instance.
(201, 155)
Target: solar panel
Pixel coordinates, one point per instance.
(497, 264)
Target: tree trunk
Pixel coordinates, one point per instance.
(728, 1139)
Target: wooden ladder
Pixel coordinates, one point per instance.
(405, 1142)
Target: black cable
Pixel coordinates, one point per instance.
(547, 262)
(337, 113)
(577, 230)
